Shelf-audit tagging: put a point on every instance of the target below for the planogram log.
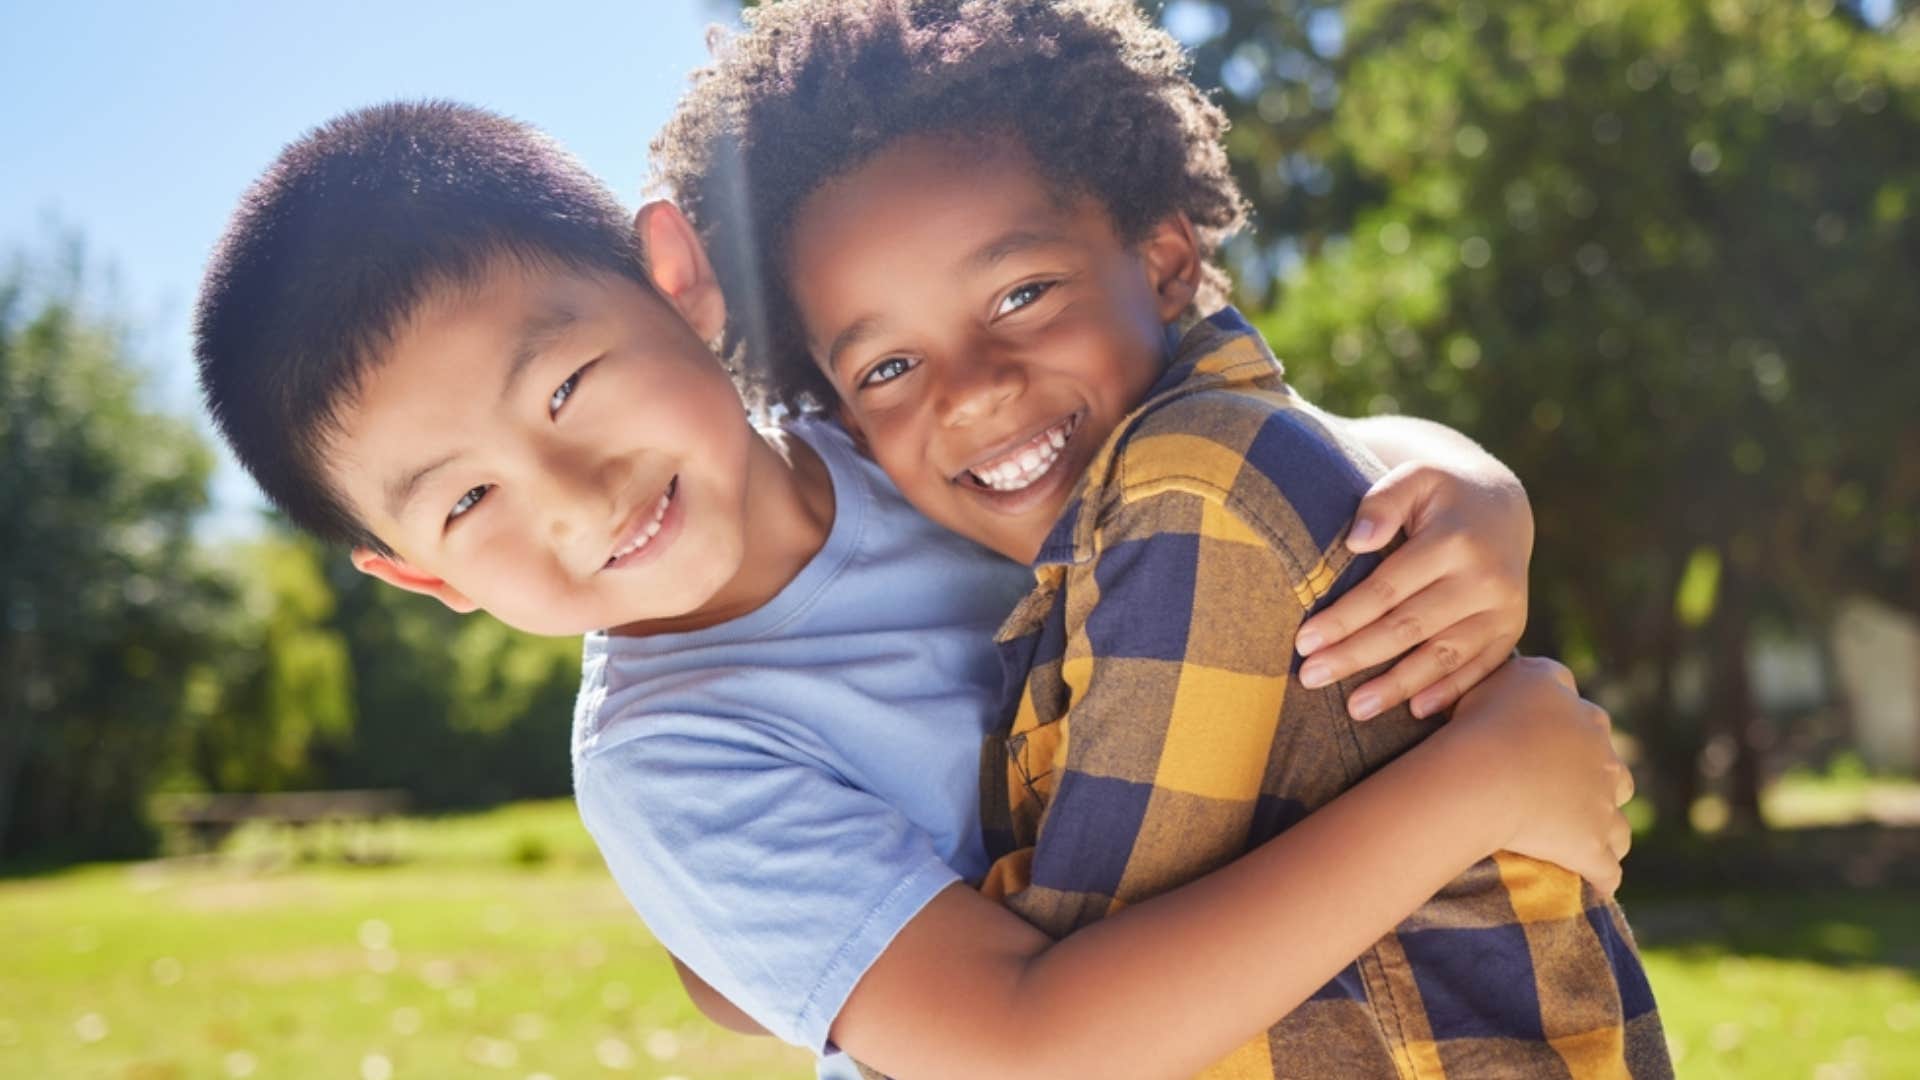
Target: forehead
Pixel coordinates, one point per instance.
(928, 197)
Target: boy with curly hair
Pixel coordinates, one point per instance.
(985, 233)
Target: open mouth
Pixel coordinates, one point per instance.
(645, 529)
(1024, 465)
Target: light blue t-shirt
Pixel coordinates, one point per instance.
(778, 795)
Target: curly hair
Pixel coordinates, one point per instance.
(809, 90)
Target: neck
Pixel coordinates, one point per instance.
(789, 510)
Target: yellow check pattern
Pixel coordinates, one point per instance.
(1161, 731)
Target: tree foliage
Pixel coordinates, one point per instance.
(101, 610)
(1652, 255)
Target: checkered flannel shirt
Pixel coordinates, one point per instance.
(1160, 730)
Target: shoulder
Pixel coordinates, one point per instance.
(1283, 467)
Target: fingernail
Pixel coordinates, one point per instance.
(1421, 707)
(1362, 531)
(1364, 705)
(1306, 641)
(1316, 675)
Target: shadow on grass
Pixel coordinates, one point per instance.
(1841, 896)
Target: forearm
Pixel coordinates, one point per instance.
(1173, 984)
(1222, 958)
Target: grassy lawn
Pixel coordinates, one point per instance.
(1786, 985)
(498, 947)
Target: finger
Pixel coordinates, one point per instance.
(1441, 695)
(1623, 786)
(1387, 508)
(1605, 877)
(1560, 672)
(1435, 662)
(1416, 565)
(1619, 836)
(1443, 609)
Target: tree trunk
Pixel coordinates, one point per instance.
(1735, 712)
(1672, 742)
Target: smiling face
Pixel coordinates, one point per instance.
(558, 448)
(985, 332)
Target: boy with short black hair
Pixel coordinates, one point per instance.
(428, 332)
(987, 229)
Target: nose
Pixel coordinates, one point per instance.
(576, 500)
(974, 384)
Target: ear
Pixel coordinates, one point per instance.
(401, 574)
(679, 267)
(1171, 256)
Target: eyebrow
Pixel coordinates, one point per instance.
(863, 328)
(537, 334)
(1005, 245)
(401, 490)
(1008, 244)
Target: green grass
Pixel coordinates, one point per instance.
(1786, 985)
(498, 947)
(462, 960)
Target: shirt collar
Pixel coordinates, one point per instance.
(1221, 350)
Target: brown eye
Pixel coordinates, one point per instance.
(565, 391)
(468, 501)
(1022, 296)
(886, 371)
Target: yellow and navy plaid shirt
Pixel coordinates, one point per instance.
(1160, 730)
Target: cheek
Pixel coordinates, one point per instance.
(893, 442)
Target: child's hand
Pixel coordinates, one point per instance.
(1457, 589)
(1527, 728)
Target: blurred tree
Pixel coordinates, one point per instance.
(1278, 68)
(101, 610)
(1651, 255)
(328, 679)
(278, 683)
(458, 710)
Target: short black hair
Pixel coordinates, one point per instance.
(342, 238)
(1098, 95)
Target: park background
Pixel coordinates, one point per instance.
(1662, 256)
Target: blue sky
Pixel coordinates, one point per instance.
(138, 125)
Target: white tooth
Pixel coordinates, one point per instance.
(1056, 438)
(653, 530)
(1029, 460)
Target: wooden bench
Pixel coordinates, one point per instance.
(205, 821)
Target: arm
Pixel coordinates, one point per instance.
(965, 984)
(1409, 440)
(713, 1005)
(1453, 597)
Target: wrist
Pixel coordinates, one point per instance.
(1485, 776)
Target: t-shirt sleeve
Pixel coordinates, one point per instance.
(769, 876)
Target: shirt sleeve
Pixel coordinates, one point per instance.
(1178, 744)
(769, 876)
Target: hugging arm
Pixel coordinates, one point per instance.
(969, 989)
